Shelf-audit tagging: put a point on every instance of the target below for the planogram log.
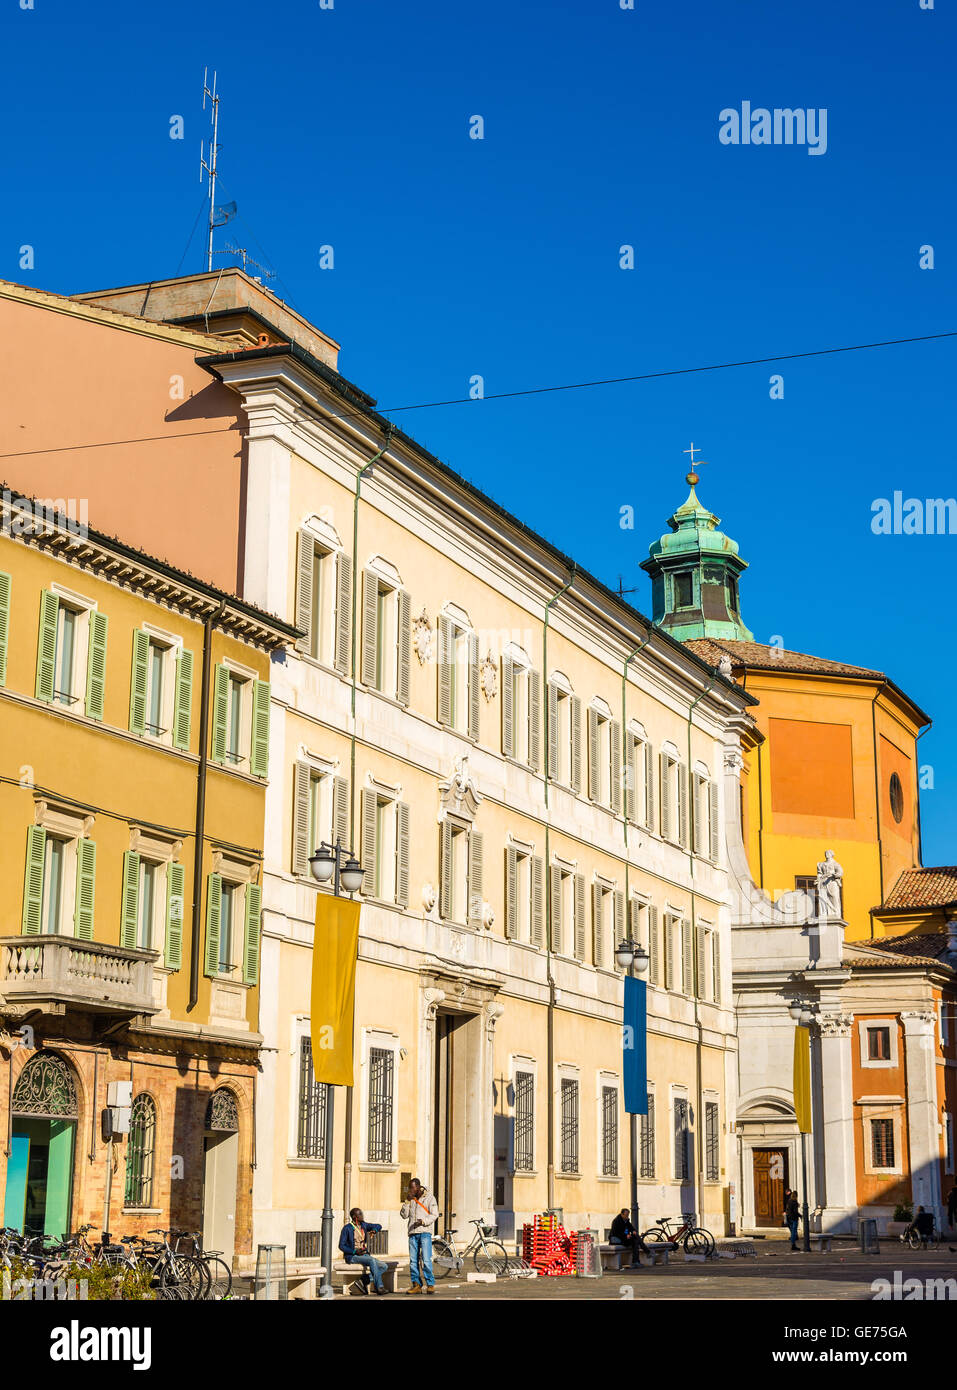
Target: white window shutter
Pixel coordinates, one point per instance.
(716, 967)
(580, 916)
(474, 688)
(538, 901)
(666, 824)
(446, 656)
(301, 848)
(508, 711)
(715, 843)
(304, 582)
(511, 892)
(576, 727)
(700, 964)
(682, 836)
(402, 814)
(654, 964)
(476, 901)
(631, 779)
(445, 870)
(616, 768)
(594, 745)
(669, 928)
(370, 627)
(343, 613)
(535, 719)
(369, 815)
(404, 646)
(340, 810)
(555, 895)
(598, 926)
(619, 918)
(552, 730)
(649, 775)
(687, 958)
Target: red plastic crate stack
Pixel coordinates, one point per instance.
(548, 1248)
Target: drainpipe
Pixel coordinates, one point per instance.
(632, 1119)
(699, 1118)
(200, 837)
(550, 1013)
(347, 1127)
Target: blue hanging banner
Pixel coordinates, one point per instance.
(634, 1050)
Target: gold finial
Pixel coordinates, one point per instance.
(692, 477)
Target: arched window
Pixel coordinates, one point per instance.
(139, 1153)
(222, 1113)
(46, 1087)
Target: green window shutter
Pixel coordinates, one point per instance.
(214, 905)
(304, 582)
(129, 912)
(183, 704)
(579, 916)
(343, 612)
(476, 900)
(538, 901)
(598, 927)
(715, 843)
(508, 718)
(445, 870)
(96, 665)
(404, 674)
(85, 889)
(340, 810)
(220, 713)
(649, 760)
(615, 774)
(511, 892)
(594, 746)
(6, 584)
(654, 968)
(576, 722)
(474, 686)
(370, 628)
(555, 898)
(446, 657)
(552, 698)
(259, 753)
(535, 719)
(138, 681)
(175, 912)
(46, 645)
(33, 881)
(302, 791)
(254, 896)
(369, 815)
(402, 853)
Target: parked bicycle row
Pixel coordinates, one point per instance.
(165, 1266)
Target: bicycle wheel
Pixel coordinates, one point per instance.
(444, 1260)
(220, 1279)
(186, 1274)
(699, 1242)
(913, 1240)
(655, 1235)
(492, 1258)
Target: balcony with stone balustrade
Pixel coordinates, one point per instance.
(57, 973)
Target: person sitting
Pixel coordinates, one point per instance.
(354, 1244)
(923, 1224)
(624, 1233)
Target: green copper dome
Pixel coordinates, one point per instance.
(694, 576)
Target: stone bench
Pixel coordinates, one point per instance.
(351, 1274)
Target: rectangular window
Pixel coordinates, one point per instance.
(154, 689)
(53, 885)
(226, 923)
(609, 1131)
(711, 1140)
(882, 1143)
(147, 905)
(385, 850)
(320, 568)
(311, 1136)
(63, 690)
(569, 1125)
(381, 1071)
(647, 1161)
(878, 1044)
(524, 1121)
(684, 590)
(234, 719)
(682, 1140)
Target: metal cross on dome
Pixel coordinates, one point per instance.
(692, 450)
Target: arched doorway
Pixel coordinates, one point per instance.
(221, 1151)
(45, 1107)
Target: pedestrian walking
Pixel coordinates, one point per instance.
(421, 1211)
(792, 1213)
(354, 1244)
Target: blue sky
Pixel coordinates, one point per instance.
(457, 257)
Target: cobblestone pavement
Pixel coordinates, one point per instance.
(774, 1273)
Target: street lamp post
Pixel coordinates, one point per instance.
(326, 863)
(803, 1017)
(627, 954)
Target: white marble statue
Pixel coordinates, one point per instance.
(830, 877)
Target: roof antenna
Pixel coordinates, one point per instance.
(208, 164)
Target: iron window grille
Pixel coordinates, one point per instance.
(569, 1123)
(311, 1138)
(712, 1166)
(882, 1143)
(682, 1156)
(140, 1149)
(647, 1168)
(609, 1131)
(524, 1121)
(381, 1072)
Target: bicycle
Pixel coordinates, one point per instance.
(219, 1276)
(488, 1256)
(915, 1241)
(695, 1239)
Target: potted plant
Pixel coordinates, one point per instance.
(903, 1216)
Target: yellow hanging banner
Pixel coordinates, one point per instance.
(334, 953)
(802, 1079)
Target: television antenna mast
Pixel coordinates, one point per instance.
(208, 165)
(230, 249)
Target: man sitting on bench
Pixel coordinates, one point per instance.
(353, 1242)
(624, 1233)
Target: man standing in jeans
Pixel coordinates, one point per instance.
(421, 1211)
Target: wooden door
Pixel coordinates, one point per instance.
(770, 1184)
